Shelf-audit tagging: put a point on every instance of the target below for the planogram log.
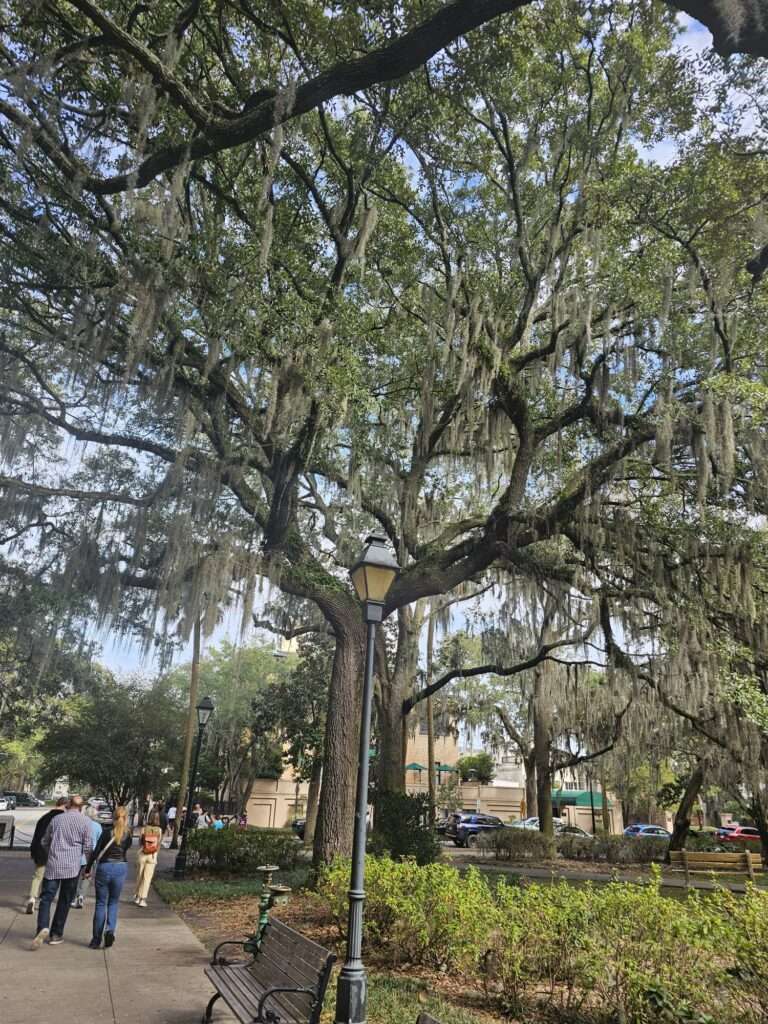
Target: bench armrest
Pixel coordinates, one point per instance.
(216, 960)
(274, 991)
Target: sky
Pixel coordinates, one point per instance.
(122, 656)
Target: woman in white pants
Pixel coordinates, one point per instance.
(149, 844)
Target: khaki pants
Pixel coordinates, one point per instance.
(145, 869)
(37, 882)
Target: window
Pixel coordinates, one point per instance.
(571, 785)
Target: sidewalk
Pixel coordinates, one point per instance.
(152, 975)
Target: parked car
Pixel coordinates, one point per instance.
(10, 800)
(525, 823)
(442, 825)
(27, 800)
(4, 802)
(647, 831)
(298, 826)
(739, 834)
(572, 830)
(465, 829)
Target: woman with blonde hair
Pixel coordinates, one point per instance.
(109, 856)
(149, 844)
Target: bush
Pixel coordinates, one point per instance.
(241, 851)
(613, 849)
(617, 952)
(518, 844)
(402, 829)
(430, 915)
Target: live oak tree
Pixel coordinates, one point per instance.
(459, 307)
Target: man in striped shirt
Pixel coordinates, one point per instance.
(68, 839)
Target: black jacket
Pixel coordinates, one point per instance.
(36, 851)
(115, 853)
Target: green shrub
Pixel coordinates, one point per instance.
(518, 844)
(241, 851)
(613, 849)
(430, 915)
(402, 829)
(624, 952)
(612, 953)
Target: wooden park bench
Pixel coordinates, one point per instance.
(690, 861)
(283, 983)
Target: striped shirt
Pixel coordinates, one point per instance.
(68, 839)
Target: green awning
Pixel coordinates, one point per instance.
(579, 798)
(445, 768)
(414, 767)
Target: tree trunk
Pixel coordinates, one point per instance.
(313, 800)
(760, 815)
(333, 835)
(389, 732)
(683, 815)
(542, 733)
(605, 811)
(431, 722)
(189, 734)
(531, 796)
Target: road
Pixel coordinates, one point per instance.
(25, 819)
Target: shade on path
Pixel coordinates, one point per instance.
(152, 975)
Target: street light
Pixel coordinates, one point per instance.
(372, 576)
(204, 711)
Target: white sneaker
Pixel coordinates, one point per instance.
(142, 903)
(30, 908)
(39, 939)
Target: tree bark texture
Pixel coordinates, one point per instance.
(313, 800)
(531, 796)
(542, 738)
(682, 823)
(333, 835)
(190, 731)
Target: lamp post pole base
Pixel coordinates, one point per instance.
(352, 996)
(180, 865)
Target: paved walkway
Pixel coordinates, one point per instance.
(152, 975)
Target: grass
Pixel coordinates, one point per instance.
(393, 999)
(210, 888)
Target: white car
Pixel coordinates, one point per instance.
(3, 803)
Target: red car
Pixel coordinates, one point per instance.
(740, 834)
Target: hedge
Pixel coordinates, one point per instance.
(593, 955)
(241, 851)
(613, 849)
(518, 844)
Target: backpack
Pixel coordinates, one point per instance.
(150, 842)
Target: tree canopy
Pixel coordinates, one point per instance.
(261, 293)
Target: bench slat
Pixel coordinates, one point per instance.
(242, 993)
(286, 959)
(728, 859)
(280, 947)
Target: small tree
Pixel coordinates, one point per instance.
(478, 767)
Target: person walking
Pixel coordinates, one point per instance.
(79, 900)
(172, 810)
(38, 854)
(109, 856)
(149, 843)
(66, 840)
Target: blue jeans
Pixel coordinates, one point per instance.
(110, 878)
(48, 895)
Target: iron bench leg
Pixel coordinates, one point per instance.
(209, 1008)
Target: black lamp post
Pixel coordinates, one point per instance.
(204, 711)
(372, 576)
